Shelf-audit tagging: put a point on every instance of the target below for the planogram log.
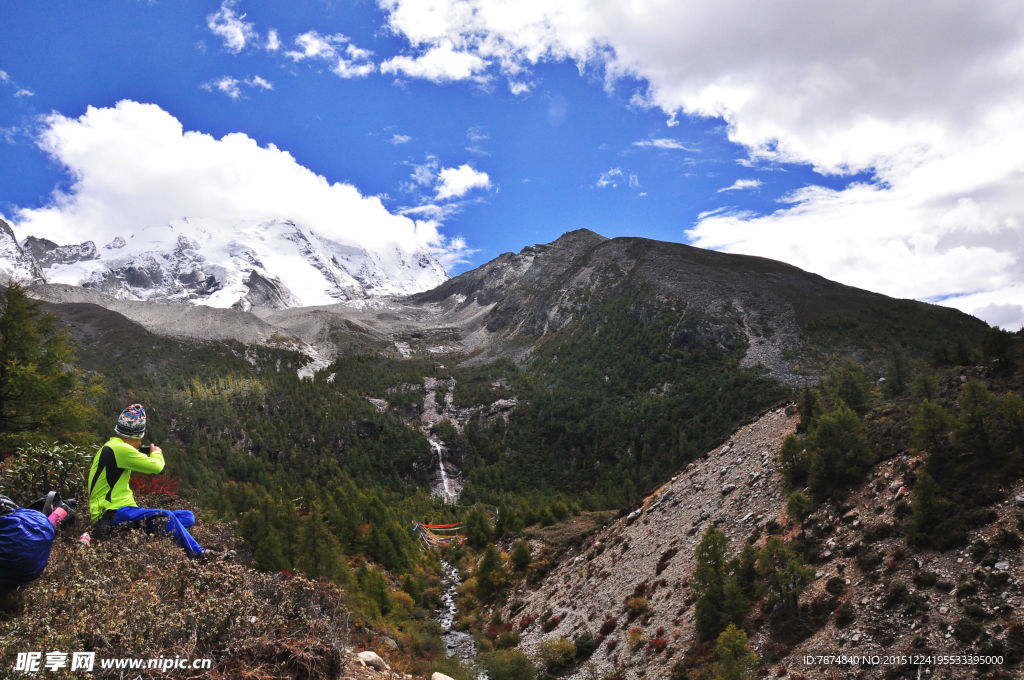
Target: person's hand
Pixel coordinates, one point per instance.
(155, 449)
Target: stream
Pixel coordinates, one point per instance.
(456, 642)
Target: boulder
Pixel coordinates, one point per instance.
(440, 676)
(372, 660)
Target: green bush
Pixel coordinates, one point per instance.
(36, 469)
(558, 654)
(508, 664)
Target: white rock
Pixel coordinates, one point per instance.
(372, 660)
(441, 676)
(1002, 566)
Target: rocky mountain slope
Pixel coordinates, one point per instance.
(649, 554)
(273, 264)
(629, 583)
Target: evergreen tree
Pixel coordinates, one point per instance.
(490, 575)
(521, 557)
(931, 523)
(40, 393)
(794, 462)
(478, 528)
(319, 554)
(735, 661)
(897, 373)
(783, 572)
(851, 385)
(842, 452)
(930, 425)
(708, 584)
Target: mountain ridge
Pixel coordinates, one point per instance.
(790, 321)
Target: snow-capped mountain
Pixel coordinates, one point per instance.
(275, 263)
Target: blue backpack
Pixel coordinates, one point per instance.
(26, 537)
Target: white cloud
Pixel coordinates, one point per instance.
(397, 139)
(457, 182)
(925, 97)
(273, 41)
(350, 62)
(316, 46)
(232, 86)
(664, 143)
(742, 184)
(261, 83)
(613, 177)
(24, 92)
(439, 64)
(4, 77)
(133, 166)
(230, 27)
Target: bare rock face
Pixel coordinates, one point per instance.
(15, 263)
(46, 253)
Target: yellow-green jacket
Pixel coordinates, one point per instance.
(111, 470)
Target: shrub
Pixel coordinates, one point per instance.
(585, 646)
(508, 665)
(835, 586)
(608, 625)
(845, 615)
(558, 654)
(36, 469)
(658, 644)
(635, 606)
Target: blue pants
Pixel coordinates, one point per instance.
(178, 522)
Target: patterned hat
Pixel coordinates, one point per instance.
(132, 422)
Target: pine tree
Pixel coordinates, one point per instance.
(521, 557)
(784, 574)
(931, 522)
(708, 584)
(843, 454)
(735, 660)
(39, 392)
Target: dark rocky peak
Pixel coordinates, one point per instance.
(47, 253)
(578, 239)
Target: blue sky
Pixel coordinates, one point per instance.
(795, 132)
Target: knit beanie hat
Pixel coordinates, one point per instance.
(132, 422)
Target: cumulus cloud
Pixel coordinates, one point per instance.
(457, 182)
(344, 59)
(4, 77)
(742, 184)
(133, 165)
(24, 92)
(397, 139)
(926, 98)
(230, 27)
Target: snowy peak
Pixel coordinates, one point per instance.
(271, 263)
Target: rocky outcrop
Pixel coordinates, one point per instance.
(47, 253)
(15, 263)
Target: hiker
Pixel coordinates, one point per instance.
(111, 501)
